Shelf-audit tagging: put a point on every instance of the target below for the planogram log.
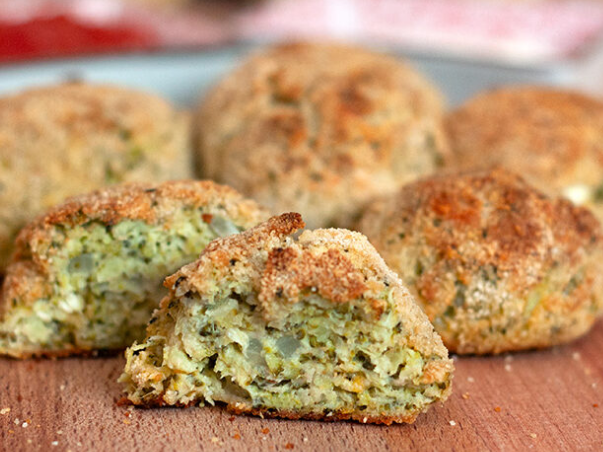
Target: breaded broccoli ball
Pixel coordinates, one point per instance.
(87, 275)
(496, 265)
(65, 140)
(320, 129)
(315, 328)
(551, 137)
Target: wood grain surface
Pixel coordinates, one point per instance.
(544, 400)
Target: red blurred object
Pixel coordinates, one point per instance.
(501, 31)
(32, 29)
(63, 35)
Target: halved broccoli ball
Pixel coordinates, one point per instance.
(496, 265)
(87, 275)
(71, 138)
(315, 328)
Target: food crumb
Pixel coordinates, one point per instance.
(55, 443)
(62, 387)
(11, 431)
(79, 444)
(452, 423)
(289, 446)
(236, 436)
(265, 431)
(497, 409)
(29, 441)
(576, 356)
(127, 422)
(470, 379)
(5, 410)
(508, 367)
(24, 424)
(17, 421)
(533, 435)
(465, 395)
(595, 405)
(59, 432)
(364, 419)
(231, 418)
(305, 439)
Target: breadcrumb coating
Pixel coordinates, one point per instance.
(495, 264)
(551, 137)
(320, 129)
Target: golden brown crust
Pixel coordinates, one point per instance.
(288, 272)
(62, 140)
(320, 128)
(138, 201)
(475, 248)
(549, 136)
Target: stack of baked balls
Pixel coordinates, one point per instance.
(348, 138)
(315, 326)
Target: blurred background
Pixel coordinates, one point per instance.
(178, 47)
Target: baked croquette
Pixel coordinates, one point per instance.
(314, 328)
(496, 265)
(87, 275)
(320, 129)
(68, 139)
(551, 137)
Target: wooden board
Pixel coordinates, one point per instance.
(546, 400)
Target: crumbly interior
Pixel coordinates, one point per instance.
(318, 357)
(104, 282)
